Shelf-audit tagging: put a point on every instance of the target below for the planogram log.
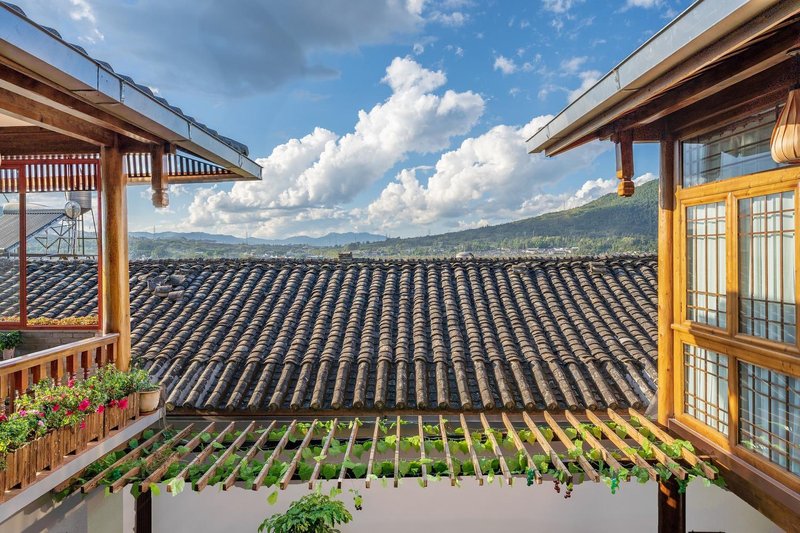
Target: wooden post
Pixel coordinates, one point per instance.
(144, 513)
(116, 292)
(671, 507)
(666, 251)
(159, 180)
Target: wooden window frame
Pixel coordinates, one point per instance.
(728, 341)
(22, 178)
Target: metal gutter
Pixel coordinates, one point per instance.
(40, 51)
(698, 26)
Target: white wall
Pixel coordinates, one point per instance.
(439, 507)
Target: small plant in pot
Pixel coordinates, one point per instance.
(315, 513)
(9, 340)
(149, 392)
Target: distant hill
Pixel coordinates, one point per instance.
(608, 224)
(331, 239)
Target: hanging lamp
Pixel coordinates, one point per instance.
(785, 141)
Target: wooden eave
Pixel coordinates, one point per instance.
(743, 53)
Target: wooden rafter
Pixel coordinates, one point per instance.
(262, 475)
(447, 456)
(496, 449)
(130, 456)
(287, 476)
(371, 461)
(542, 441)
(587, 436)
(251, 453)
(200, 457)
(203, 481)
(591, 473)
(521, 447)
(175, 456)
(422, 459)
(622, 446)
(324, 452)
(468, 439)
(353, 432)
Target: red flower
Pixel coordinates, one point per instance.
(83, 424)
(56, 407)
(83, 405)
(112, 403)
(68, 412)
(123, 403)
(71, 383)
(101, 408)
(3, 417)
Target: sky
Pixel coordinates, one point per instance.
(396, 117)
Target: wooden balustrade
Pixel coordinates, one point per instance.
(77, 359)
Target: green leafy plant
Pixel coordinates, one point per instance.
(314, 513)
(10, 339)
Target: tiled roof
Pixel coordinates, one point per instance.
(374, 335)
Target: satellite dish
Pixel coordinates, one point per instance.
(72, 209)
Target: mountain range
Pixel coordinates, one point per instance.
(331, 239)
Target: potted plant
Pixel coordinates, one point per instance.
(149, 392)
(9, 340)
(315, 512)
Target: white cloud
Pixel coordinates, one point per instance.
(488, 176)
(572, 65)
(588, 79)
(323, 169)
(505, 65)
(418, 48)
(454, 19)
(646, 4)
(81, 12)
(559, 6)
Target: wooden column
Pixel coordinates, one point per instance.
(671, 507)
(116, 292)
(666, 251)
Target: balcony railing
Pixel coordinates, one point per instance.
(77, 359)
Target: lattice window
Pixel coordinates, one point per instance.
(706, 386)
(769, 412)
(735, 150)
(767, 267)
(706, 300)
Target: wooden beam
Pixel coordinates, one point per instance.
(159, 472)
(496, 449)
(159, 180)
(115, 311)
(298, 456)
(476, 465)
(622, 445)
(545, 445)
(447, 456)
(203, 455)
(671, 507)
(149, 460)
(262, 474)
(423, 467)
(205, 478)
(45, 94)
(666, 252)
(248, 457)
(729, 43)
(33, 140)
(130, 456)
(38, 114)
(587, 436)
(323, 452)
(371, 461)
(521, 447)
(588, 469)
(347, 451)
(642, 441)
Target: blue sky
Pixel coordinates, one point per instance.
(403, 117)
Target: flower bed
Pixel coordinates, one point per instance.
(56, 420)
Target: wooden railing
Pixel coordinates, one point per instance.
(74, 360)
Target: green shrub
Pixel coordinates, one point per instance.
(315, 513)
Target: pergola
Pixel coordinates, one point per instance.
(565, 447)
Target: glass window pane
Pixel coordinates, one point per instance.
(705, 386)
(766, 267)
(705, 265)
(9, 248)
(734, 150)
(769, 415)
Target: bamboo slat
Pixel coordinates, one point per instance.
(324, 452)
(659, 454)
(131, 455)
(545, 445)
(496, 449)
(274, 455)
(118, 484)
(588, 469)
(203, 455)
(397, 454)
(374, 445)
(159, 472)
(468, 439)
(622, 446)
(593, 442)
(423, 466)
(662, 435)
(298, 455)
(447, 456)
(254, 449)
(521, 447)
(203, 481)
(343, 470)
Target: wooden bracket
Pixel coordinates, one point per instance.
(624, 144)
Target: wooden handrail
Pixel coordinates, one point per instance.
(76, 359)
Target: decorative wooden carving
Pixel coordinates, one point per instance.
(624, 142)
(785, 140)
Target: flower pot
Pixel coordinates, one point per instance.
(148, 400)
(9, 353)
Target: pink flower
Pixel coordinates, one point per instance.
(83, 424)
(71, 383)
(83, 405)
(101, 408)
(123, 403)
(23, 412)
(68, 413)
(41, 422)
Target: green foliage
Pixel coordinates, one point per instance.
(314, 513)
(10, 339)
